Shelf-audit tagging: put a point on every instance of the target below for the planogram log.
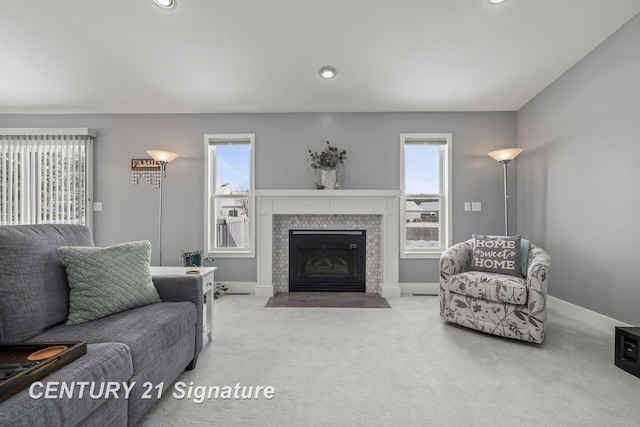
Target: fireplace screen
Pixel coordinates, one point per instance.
(327, 260)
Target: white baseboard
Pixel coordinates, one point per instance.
(420, 288)
(266, 290)
(584, 315)
(581, 314)
(389, 291)
(240, 287)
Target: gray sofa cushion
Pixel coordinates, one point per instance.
(147, 331)
(33, 282)
(103, 362)
(165, 370)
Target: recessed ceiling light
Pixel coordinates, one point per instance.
(328, 72)
(166, 4)
(496, 1)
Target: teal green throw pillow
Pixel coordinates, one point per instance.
(524, 256)
(109, 280)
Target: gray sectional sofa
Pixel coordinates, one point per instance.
(144, 347)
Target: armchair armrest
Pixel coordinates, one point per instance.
(177, 288)
(454, 260)
(537, 280)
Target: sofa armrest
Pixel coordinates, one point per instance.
(176, 288)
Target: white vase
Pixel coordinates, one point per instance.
(328, 179)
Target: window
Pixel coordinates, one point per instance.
(229, 186)
(46, 176)
(425, 208)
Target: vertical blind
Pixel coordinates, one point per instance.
(46, 176)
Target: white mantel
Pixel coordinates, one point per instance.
(329, 202)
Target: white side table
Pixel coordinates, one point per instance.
(207, 289)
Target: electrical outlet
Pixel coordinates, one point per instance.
(97, 206)
(476, 206)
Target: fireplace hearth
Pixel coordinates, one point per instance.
(327, 261)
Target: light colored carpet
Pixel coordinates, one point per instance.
(399, 367)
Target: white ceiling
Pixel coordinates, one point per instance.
(210, 56)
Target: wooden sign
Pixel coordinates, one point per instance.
(144, 165)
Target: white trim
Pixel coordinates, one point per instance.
(89, 183)
(584, 315)
(420, 288)
(387, 290)
(327, 193)
(238, 287)
(575, 312)
(328, 202)
(213, 139)
(28, 192)
(446, 217)
(48, 131)
(264, 290)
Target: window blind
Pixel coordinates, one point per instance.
(46, 176)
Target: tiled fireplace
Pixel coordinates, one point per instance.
(282, 224)
(374, 212)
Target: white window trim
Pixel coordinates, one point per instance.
(446, 198)
(91, 133)
(209, 182)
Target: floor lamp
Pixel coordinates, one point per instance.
(504, 156)
(162, 157)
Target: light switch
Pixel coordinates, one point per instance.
(476, 206)
(97, 206)
(467, 206)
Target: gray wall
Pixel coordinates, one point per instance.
(578, 177)
(282, 140)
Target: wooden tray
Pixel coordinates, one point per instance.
(18, 353)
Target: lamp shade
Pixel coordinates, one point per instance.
(162, 155)
(506, 154)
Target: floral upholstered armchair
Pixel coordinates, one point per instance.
(506, 305)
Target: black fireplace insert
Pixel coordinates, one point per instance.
(327, 261)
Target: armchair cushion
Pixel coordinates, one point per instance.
(490, 286)
(496, 254)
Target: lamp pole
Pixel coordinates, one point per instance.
(163, 166)
(162, 157)
(504, 156)
(506, 197)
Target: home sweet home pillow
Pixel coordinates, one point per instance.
(109, 280)
(496, 254)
